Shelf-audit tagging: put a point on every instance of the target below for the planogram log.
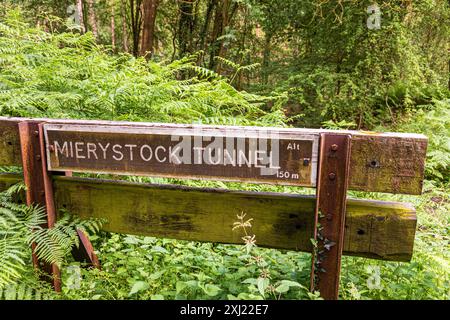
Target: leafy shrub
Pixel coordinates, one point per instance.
(66, 75)
(20, 226)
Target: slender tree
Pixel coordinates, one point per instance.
(136, 24)
(123, 11)
(81, 15)
(224, 12)
(92, 18)
(113, 26)
(202, 39)
(150, 9)
(185, 26)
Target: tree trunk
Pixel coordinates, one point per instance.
(150, 8)
(185, 26)
(124, 26)
(136, 21)
(92, 18)
(246, 26)
(203, 33)
(113, 26)
(222, 20)
(81, 15)
(228, 15)
(266, 58)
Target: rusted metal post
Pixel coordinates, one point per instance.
(39, 186)
(332, 182)
(85, 251)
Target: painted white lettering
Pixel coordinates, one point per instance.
(114, 148)
(274, 161)
(243, 159)
(259, 161)
(64, 150)
(184, 146)
(173, 157)
(150, 152)
(91, 148)
(104, 148)
(78, 149)
(131, 146)
(217, 146)
(156, 154)
(71, 149)
(198, 155)
(218, 156)
(228, 158)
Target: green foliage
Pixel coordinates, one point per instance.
(67, 75)
(144, 267)
(20, 226)
(342, 70)
(32, 290)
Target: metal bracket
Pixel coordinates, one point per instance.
(39, 186)
(331, 192)
(40, 191)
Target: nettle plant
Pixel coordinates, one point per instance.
(263, 286)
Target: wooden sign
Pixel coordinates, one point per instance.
(200, 152)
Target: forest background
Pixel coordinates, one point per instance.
(364, 65)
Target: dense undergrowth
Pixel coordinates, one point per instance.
(66, 75)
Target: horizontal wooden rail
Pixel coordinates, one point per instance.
(375, 229)
(379, 162)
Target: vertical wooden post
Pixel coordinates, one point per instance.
(332, 182)
(39, 186)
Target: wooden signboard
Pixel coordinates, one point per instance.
(257, 155)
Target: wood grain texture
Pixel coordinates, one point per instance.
(375, 229)
(387, 164)
(380, 162)
(9, 143)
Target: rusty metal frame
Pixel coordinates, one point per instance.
(332, 183)
(40, 192)
(39, 187)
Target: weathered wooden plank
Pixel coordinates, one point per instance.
(387, 163)
(8, 179)
(375, 229)
(380, 162)
(9, 143)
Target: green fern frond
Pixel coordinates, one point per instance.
(21, 226)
